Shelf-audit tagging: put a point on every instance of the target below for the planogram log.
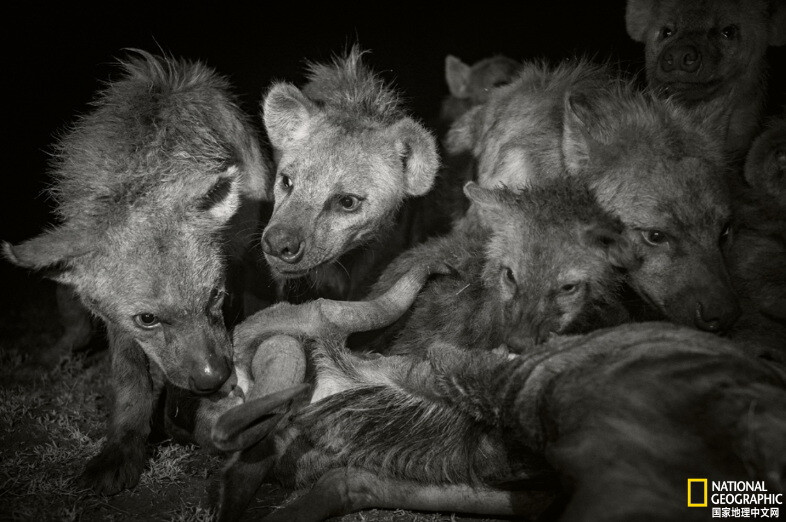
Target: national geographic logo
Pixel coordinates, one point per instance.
(697, 492)
(734, 498)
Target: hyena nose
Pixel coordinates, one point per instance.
(716, 318)
(209, 378)
(282, 243)
(702, 322)
(686, 58)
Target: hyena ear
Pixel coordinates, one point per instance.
(417, 149)
(463, 133)
(578, 145)
(777, 23)
(637, 17)
(51, 252)
(615, 246)
(222, 199)
(286, 112)
(488, 202)
(765, 163)
(457, 76)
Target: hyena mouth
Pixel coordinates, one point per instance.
(293, 272)
(692, 91)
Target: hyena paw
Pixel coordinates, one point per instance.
(115, 468)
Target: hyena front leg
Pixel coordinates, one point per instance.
(120, 462)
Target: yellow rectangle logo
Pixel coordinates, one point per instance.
(703, 502)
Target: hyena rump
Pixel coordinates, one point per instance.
(156, 189)
(546, 260)
(348, 163)
(649, 162)
(701, 51)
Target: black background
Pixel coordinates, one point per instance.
(57, 57)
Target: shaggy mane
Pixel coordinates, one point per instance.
(347, 85)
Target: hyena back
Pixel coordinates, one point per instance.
(348, 161)
(156, 188)
(656, 166)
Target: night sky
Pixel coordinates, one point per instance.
(56, 59)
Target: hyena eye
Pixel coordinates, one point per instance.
(655, 237)
(730, 31)
(665, 32)
(569, 288)
(216, 296)
(286, 182)
(508, 277)
(348, 202)
(146, 321)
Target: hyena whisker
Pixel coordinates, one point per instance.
(342, 267)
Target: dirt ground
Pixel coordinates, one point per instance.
(52, 421)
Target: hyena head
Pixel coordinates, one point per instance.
(145, 185)
(346, 159)
(662, 173)
(555, 261)
(765, 164)
(698, 49)
(474, 82)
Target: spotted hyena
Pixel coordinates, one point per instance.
(699, 51)
(470, 84)
(157, 189)
(350, 168)
(546, 260)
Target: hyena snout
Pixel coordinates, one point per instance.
(529, 331)
(207, 374)
(283, 243)
(680, 57)
(716, 313)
